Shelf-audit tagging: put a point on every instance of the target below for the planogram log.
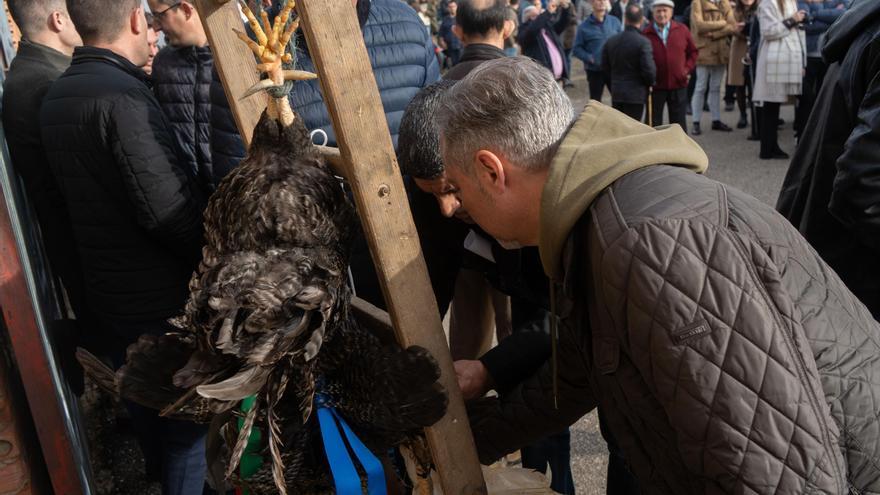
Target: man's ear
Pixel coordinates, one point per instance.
(137, 20)
(56, 21)
(188, 10)
(508, 28)
(456, 30)
(490, 171)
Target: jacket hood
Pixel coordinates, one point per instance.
(848, 27)
(602, 146)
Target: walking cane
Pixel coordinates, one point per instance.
(651, 106)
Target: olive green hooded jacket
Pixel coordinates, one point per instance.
(724, 353)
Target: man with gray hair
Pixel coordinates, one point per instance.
(724, 354)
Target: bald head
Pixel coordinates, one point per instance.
(483, 21)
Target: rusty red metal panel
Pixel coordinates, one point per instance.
(39, 374)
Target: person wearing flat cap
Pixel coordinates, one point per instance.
(675, 56)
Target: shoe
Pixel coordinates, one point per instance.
(743, 121)
(717, 125)
(696, 131)
(776, 155)
(728, 107)
(752, 137)
(780, 122)
(706, 107)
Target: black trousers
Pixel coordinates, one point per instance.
(596, 81)
(813, 78)
(676, 100)
(769, 129)
(633, 110)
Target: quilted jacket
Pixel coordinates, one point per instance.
(136, 211)
(724, 353)
(182, 85)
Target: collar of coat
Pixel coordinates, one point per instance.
(84, 54)
(602, 146)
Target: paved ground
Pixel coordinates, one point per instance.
(733, 160)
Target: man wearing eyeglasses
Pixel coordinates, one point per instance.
(182, 82)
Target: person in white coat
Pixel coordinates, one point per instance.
(780, 67)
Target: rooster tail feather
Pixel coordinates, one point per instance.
(100, 373)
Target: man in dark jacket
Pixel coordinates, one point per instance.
(675, 57)
(447, 36)
(182, 82)
(539, 36)
(49, 39)
(482, 26)
(831, 190)
(135, 210)
(725, 354)
(628, 64)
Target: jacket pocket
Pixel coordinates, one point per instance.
(606, 353)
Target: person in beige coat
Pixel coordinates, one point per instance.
(712, 23)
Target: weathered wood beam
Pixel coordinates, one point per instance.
(366, 158)
(349, 88)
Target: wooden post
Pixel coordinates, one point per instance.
(368, 161)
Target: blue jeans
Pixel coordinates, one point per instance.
(709, 78)
(174, 451)
(553, 451)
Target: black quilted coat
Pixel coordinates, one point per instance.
(135, 210)
(831, 191)
(182, 84)
(726, 356)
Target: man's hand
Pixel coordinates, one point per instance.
(552, 6)
(473, 378)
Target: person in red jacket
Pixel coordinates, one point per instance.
(675, 56)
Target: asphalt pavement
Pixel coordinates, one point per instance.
(734, 161)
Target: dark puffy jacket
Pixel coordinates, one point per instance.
(724, 354)
(831, 190)
(535, 46)
(821, 14)
(628, 62)
(182, 84)
(401, 53)
(135, 211)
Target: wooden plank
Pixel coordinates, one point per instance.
(350, 92)
(234, 62)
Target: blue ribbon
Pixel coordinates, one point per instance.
(345, 475)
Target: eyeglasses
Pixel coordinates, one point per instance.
(158, 16)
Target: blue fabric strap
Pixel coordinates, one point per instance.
(375, 474)
(345, 475)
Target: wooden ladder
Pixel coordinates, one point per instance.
(367, 160)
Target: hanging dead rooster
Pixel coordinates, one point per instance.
(268, 315)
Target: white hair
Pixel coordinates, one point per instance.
(511, 106)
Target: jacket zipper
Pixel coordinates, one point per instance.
(801, 365)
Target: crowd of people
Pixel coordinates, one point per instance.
(725, 349)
